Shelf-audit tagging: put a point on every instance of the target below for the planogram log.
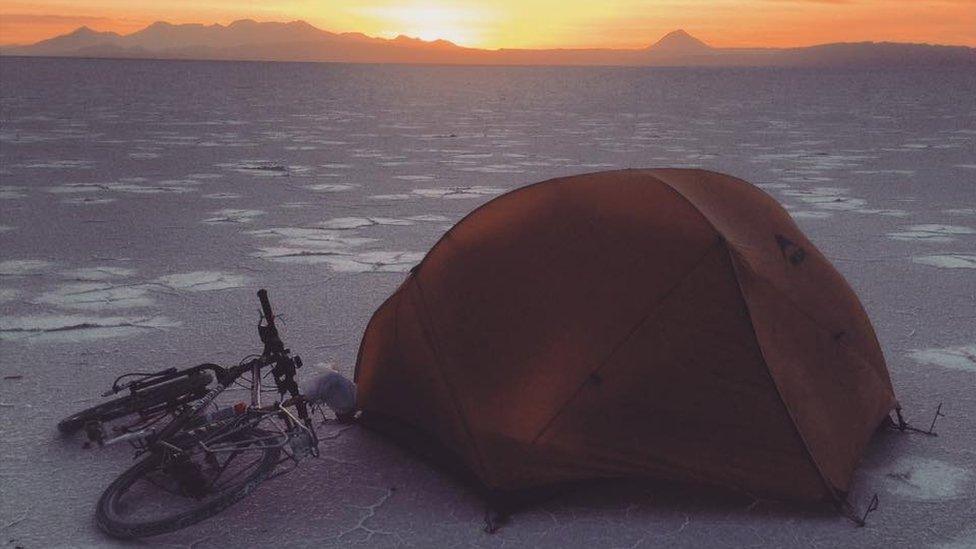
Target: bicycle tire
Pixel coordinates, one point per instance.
(114, 525)
(130, 404)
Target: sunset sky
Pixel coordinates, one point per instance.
(532, 23)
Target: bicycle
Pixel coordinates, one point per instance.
(199, 463)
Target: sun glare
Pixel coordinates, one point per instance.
(430, 22)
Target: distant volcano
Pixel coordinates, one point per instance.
(680, 42)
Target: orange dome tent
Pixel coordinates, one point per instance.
(663, 323)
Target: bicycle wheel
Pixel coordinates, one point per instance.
(194, 384)
(163, 493)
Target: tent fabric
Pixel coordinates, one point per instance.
(662, 323)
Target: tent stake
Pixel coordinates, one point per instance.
(904, 425)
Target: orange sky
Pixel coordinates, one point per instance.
(532, 23)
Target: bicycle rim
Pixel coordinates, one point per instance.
(150, 498)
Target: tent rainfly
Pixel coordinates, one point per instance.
(663, 323)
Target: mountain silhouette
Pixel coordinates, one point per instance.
(680, 41)
(299, 41)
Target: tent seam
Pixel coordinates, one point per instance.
(652, 308)
(785, 296)
(431, 337)
(640, 322)
(752, 326)
(834, 493)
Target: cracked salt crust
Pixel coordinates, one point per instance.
(87, 200)
(9, 294)
(931, 233)
(132, 185)
(476, 191)
(202, 281)
(23, 267)
(60, 165)
(313, 237)
(947, 261)
(264, 168)
(233, 216)
(330, 187)
(96, 296)
(98, 273)
(341, 223)
(962, 357)
(808, 214)
(75, 328)
(414, 177)
(379, 261)
(12, 192)
(925, 479)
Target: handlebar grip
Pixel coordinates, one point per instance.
(266, 305)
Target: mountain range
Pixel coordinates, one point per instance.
(300, 41)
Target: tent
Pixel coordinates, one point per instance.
(665, 323)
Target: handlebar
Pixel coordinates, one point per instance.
(269, 333)
(266, 306)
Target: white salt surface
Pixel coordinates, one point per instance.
(322, 146)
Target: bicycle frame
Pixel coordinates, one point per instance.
(274, 355)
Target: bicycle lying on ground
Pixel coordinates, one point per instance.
(200, 461)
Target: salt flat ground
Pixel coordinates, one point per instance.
(143, 202)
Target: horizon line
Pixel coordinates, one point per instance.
(457, 44)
